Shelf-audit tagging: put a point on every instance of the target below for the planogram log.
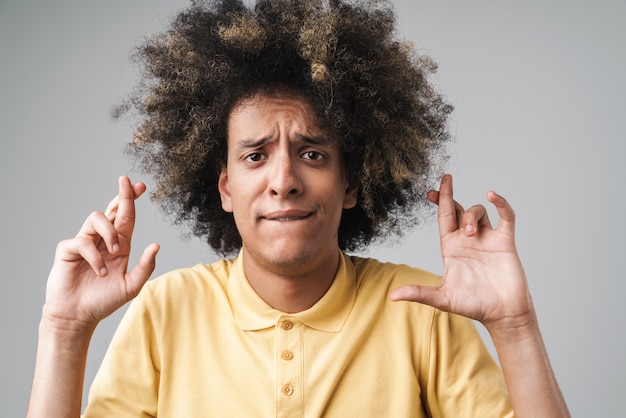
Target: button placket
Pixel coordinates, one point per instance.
(289, 379)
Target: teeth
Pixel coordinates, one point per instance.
(291, 218)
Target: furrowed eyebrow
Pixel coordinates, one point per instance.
(252, 143)
(319, 140)
(315, 140)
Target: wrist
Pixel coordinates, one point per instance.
(518, 320)
(72, 334)
(515, 329)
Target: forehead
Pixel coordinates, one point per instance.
(263, 112)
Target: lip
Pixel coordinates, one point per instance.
(287, 215)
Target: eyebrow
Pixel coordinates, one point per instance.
(315, 140)
(252, 143)
(320, 140)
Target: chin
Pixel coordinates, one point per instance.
(289, 258)
(286, 257)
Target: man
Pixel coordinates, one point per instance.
(288, 134)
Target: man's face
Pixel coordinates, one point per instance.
(284, 182)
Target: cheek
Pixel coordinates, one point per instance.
(243, 194)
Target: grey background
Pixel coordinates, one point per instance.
(538, 88)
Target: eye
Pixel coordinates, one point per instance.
(312, 155)
(255, 157)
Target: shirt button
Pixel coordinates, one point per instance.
(287, 355)
(288, 390)
(287, 325)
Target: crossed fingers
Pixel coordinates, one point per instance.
(452, 216)
(111, 229)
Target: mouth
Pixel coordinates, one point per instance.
(289, 218)
(286, 216)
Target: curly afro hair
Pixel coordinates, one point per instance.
(373, 90)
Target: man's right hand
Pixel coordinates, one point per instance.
(89, 279)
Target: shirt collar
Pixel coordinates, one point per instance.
(329, 313)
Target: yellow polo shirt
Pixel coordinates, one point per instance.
(200, 342)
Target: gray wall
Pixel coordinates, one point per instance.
(537, 87)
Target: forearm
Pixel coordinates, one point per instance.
(532, 385)
(59, 371)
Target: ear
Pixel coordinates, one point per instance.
(350, 197)
(224, 188)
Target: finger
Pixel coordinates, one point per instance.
(98, 227)
(82, 248)
(139, 188)
(428, 295)
(433, 197)
(125, 216)
(506, 223)
(450, 212)
(474, 218)
(111, 210)
(138, 276)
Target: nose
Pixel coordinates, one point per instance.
(284, 180)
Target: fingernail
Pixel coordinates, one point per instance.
(104, 271)
(469, 228)
(116, 248)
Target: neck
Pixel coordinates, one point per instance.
(291, 288)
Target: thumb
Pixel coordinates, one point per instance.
(140, 274)
(429, 295)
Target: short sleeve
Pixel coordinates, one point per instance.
(463, 378)
(126, 384)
